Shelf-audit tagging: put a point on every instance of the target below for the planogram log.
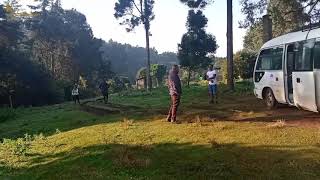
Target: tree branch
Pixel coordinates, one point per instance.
(134, 3)
(313, 6)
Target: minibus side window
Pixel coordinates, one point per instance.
(270, 59)
(316, 56)
(277, 59)
(303, 58)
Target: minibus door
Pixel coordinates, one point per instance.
(303, 77)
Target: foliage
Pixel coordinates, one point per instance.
(196, 3)
(158, 71)
(70, 36)
(253, 39)
(222, 64)
(133, 14)
(196, 44)
(286, 13)
(28, 83)
(7, 114)
(19, 146)
(118, 84)
(244, 62)
(143, 9)
(45, 52)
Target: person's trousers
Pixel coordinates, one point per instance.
(76, 99)
(175, 102)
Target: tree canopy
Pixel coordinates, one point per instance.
(286, 15)
(284, 11)
(134, 13)
(196, 45)
(44, 52)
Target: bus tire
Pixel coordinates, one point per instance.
(270, 100)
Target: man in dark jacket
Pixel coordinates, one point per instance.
(175, 91)
(104, 88)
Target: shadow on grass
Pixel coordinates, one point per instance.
(175, 161)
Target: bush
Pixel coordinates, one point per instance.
(18, 147)
(118, 84)
(244, 62)
(7, 114)
(244, 87)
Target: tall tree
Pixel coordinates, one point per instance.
(288, 12)
(196, 45)
(286, 15)
(230, 45)
(134, 13)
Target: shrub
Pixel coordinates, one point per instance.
(244, 62)
(18, 147)
(7, 114)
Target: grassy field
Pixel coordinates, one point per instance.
(236, 139)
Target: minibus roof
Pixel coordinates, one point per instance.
(292, 37)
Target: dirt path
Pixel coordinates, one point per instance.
(243, 109)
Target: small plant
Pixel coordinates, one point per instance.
(198, 121)
(214, 143)
(126, 123)
(39, 137)
(278, 124)
(58, 131)
(18, 147)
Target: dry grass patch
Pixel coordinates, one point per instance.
(278, 124)
(127, 157)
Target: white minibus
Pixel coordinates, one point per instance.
(287, 71)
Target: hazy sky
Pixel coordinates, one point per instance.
(167, 28)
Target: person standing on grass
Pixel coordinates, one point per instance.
(212, 79)
(75, 94)
(175, 91)
(104, 88)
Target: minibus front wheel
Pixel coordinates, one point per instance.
(269, 99)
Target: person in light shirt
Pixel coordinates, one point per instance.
(212, 80)
(75, 94)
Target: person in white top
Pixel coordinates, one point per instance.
(75, 94)
(211, 77)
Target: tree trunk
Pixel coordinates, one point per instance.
(230, 45)
(189, 76)
(147, 28)
(10, 101)
(52, 65)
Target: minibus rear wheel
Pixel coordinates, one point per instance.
(269, 99)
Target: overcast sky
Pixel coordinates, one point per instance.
(167, 28)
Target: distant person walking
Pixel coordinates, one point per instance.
(212, 79)
(104, 88)
(75, 94)
(175, 91)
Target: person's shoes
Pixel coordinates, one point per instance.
(168, 119)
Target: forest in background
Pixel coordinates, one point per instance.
(46, 51)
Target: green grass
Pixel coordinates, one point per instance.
(209, 144)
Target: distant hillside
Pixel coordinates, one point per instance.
(126, 60)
